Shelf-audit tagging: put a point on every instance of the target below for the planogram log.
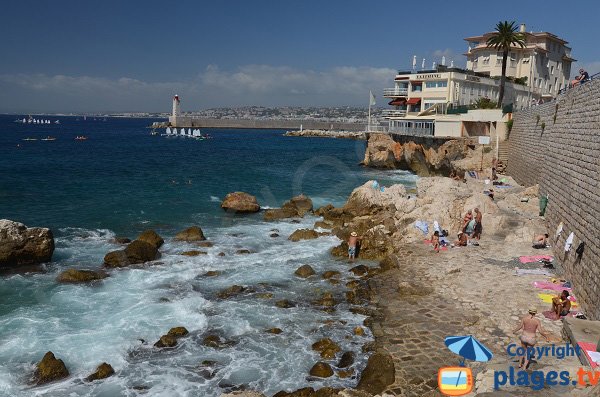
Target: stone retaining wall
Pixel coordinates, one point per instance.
(557, 145)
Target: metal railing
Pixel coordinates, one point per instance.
(390, 92)
(393, 113)
(376, 128)
(413, 131)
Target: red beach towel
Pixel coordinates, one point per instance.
(535, 258)
(585, 346)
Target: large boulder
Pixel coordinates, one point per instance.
(80, 276)
(152, 238)
(378, 374)
(368, 199)
(304, 271)
(137, 251)
(303, 234)
(240, 202)
(296, 207)
(103, 371)
(22, 246)
(50, 369)
(191, 234)
(321, 370)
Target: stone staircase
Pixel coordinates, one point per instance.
(502, 157)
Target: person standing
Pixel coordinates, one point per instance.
(530, 326)
(478, 227)
(352, 243)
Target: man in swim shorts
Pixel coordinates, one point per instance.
(561, 305)
(352, 242)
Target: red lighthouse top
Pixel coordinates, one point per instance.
(176, 97)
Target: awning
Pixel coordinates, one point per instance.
(413, 101)
(397, 102)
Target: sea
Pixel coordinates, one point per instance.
(121, 181)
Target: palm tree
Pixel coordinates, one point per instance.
(503, 38)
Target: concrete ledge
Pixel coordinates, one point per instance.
(576, 330)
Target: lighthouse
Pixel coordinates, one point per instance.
(176, 106)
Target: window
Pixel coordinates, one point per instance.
(550, 88)
(499, 58)
(552, 69)
(526, 60)
(486, 59)
(513, 59)
(436, 84)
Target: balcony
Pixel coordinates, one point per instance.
(395, 92)
(388, 113)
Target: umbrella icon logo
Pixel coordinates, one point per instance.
(457, 381)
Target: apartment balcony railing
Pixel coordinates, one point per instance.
(393, 113)
(394, 92)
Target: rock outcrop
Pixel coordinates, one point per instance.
(138, 251)
(435, 158)
(321, 370)
(50, 369)
(303, 234)
(240, 202)
(304, 271)
(378, 374)
(296, 207)
(190, 235)
(103, 371)
(22, 246)
(80, 276)
(152, 238)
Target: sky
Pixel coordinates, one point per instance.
(120, 56)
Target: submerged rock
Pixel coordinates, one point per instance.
(103, 371)
(80, 276)
(285, 304)
(240, 202)
(304, 271)
(243, 393)
(122, 240)
(178, 332)
(22, 246)
(378, 374)
(331, 274)
(194, 253)
(151, 237)
(212, 273)
(50, 369)
(243, 252)
(303, 234)
(190, 235)
(205, 244)
(321, 370)
(326, 347)
(275, 331)
(231, 291)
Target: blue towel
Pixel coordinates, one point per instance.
(422, 226)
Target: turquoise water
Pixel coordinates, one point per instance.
(123, 180)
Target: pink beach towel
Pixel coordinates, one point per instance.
(587, 347)
(535, 258)
(550, 315)
(549, 285)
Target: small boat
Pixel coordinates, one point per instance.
(81, 138)
(30, 139)
(57, 122)
(49, 138)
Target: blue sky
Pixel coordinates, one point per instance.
(61, 56)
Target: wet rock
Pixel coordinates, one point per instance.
(243, 252)
(243, 393)
(323, 225)
(231, 291)
(273, 235)
(205, 244)
(279, 213)
(326, 300)
(139, 251)
(23, 246)
(321, 370)
(303, 234)
(331, 274)
(240, 202)
(360, 270)
(50, 369)
(212, 341)
(326, 347)
(304, 392)
(116, 259)
(358, 296)
(359, 331)
(190, 235)
(378, 374)
(285, 304)
(121, 240)
(193, 253)
(177, 332)
(389, 262)
(322, 211)
(346, 360)
(304, 271)
(151, 237)
(264, 295)
(166, 341)
(347, 374)
(80, 276)
(103, 371)
(302, 204)
(276, 331)
(221, 254)
(353, 284)
(212, 273)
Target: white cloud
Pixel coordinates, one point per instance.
(247, 85)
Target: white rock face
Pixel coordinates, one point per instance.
(21, 246)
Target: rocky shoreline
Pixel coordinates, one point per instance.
(328, 134)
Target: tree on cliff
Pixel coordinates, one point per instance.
(502, 39)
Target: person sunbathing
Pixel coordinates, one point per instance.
(561, 305)
(435, 241)
(462, 240)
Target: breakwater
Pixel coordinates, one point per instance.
(557, 145)
(193, 122)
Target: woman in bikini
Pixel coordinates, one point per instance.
(530, 326)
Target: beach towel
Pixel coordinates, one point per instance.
(590, 352)
(550, 286)
(569, 242)
(535, 258)
(470, 227)
(436, 227)
(422, 226)
(547, 298)
(502, 186)
(550, 315)
(542, 272)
